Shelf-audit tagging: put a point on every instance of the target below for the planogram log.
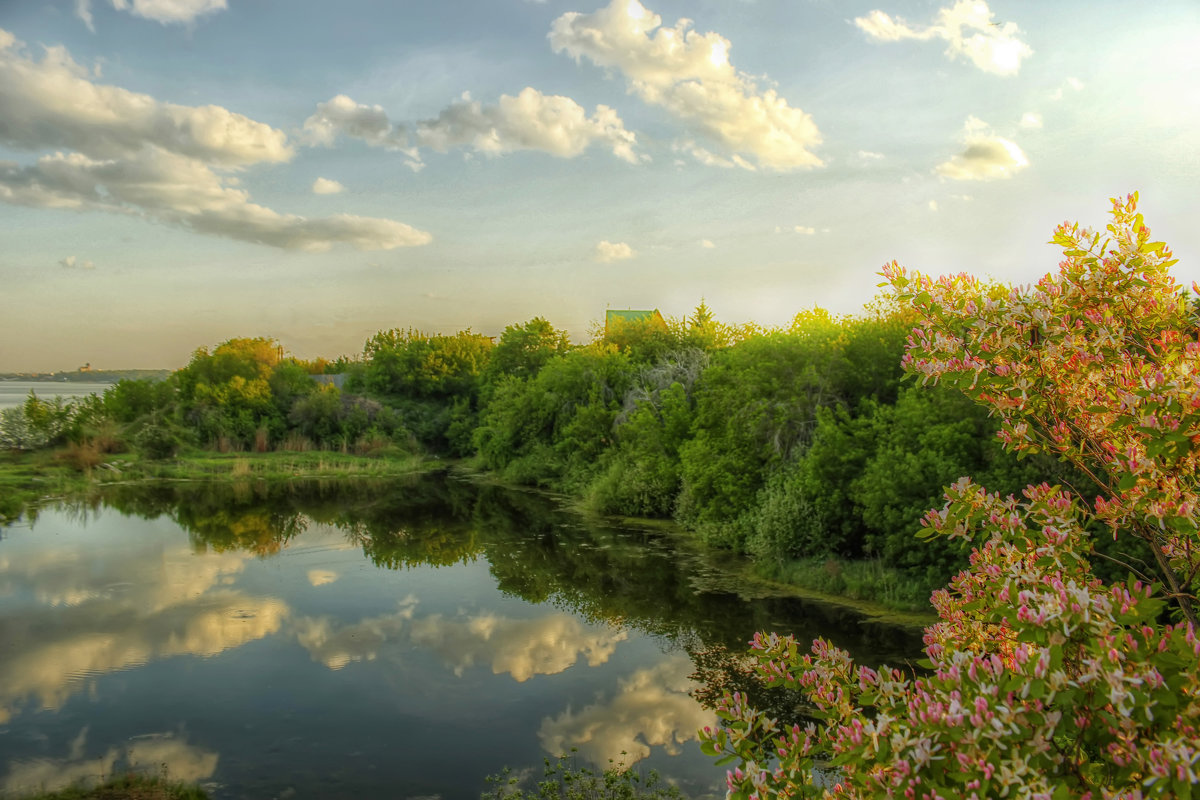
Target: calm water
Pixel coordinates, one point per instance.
(395, 640)
(14, 393)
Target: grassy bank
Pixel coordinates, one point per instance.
(866, 585)
(126, 787)
(33, 477)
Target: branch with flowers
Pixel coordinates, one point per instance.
(1042, 682)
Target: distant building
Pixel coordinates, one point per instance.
(86, 367)
(614, 319)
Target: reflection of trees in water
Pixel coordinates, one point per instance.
(536, 550)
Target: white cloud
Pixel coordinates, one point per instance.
(652, 708)
(689, 74)
(342, 116)
(968, 30)
(985, 156)
(180, 191)
(805, 229)
(177, 12)
(1074, 84)
(83, 10)
(1031, 119)
(135, 155)
(933, 205)
(327, 186)
(71, 262)
(530, 121)
(868, 155)
(607, 252)
(707, 244)
(52, 103)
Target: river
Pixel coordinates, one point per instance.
(369, 640)
(14, 393)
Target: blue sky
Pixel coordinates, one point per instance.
(174, 173)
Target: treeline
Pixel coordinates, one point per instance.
(802, 445)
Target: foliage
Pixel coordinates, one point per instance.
(551, 429)
(35, 424)
(524, 349)
(1044, 681)
(562, 780)
(131, 786)
(758, 406)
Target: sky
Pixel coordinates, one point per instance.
(176, 173)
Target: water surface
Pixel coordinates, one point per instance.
(15, 393)
(398, 640)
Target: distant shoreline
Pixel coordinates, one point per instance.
(89, 376)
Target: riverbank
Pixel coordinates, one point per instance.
(28, 478)
(877, 592)
(127, 787)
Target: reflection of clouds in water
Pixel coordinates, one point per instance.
(90, 619)
(651, 708)
(154, 753)
(320, 577)
(336, 646)
(521, 647)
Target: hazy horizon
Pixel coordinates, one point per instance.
(175, 173)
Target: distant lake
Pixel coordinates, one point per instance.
(370, 639)
(13, 393)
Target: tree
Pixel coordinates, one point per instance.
(524, 349)
(1043, 681)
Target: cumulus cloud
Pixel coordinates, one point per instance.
(689, 74)
(167, 12)
(52, 103)
(342, 116)
(985, 156)
(327, 186)
(869, 155)
(132, 154)
(180, 191)
(653, 707)
(71, 262)
(1031, 119)
(707, 244)
(607, 252)
(933, 205)
(805, 229)
(969, 33)
(529, 121)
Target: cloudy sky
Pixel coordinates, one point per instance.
(174, 173)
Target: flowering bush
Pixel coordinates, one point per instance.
(1043, 681)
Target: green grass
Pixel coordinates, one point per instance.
(30, 478)
(126, 787)
(857, 583)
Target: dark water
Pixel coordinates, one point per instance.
(394, 640)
